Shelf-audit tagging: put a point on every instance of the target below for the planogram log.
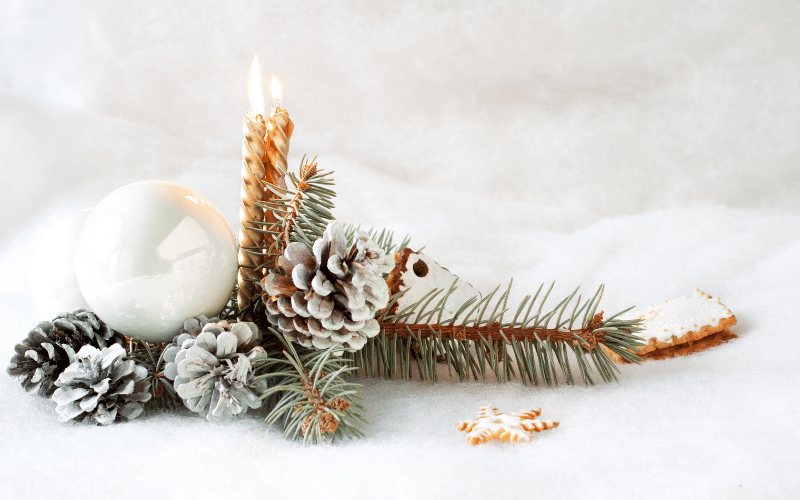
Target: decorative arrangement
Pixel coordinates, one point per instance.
(493, 424)
(176, 323)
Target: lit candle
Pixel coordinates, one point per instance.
(254, 173)
(279, 131)
(265, 148)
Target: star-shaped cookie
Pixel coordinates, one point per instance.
(493, 424)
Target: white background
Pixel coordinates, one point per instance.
(653, 148)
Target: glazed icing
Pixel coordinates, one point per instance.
(679, 316)
(493, 424)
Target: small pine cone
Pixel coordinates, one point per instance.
(101, 387)
(213, 372)
(50, 348)
(88, 329)
(40, 359)
(193, 326)
(328, 297)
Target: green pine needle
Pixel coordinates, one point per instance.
(308, 390)
(542, 349)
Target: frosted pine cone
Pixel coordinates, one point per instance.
(213, 373)
(194, 326)
(329, 297)
(101, 386)
(41, 358)
(163, 386)
(88, 329)
(50, 348)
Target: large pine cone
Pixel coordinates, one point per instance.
(329, 297)
(213, 372)
(50, 348)
(101, 386)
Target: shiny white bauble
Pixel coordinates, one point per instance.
(153, 254)
(54, 286)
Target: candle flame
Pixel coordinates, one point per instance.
(256, 98)
(276, 91)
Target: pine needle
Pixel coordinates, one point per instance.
(309, 393)
(482, 344)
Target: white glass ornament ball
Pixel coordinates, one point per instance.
(153, 254)
(51, 271)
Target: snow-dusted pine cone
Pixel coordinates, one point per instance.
(50, 348)
(328, 297)
(101, 386)
(88, 329)
(193, 326)
(213, 372)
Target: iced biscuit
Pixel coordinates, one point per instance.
(682, 326)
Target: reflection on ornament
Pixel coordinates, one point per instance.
(54, 286)
(152, 254)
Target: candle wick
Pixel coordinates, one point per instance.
(278, 105)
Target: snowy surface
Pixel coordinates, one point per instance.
(651, 148)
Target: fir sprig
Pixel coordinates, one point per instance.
(151, 356)
(478, 342)
(302, 210)
(231, 310)
(310, 395)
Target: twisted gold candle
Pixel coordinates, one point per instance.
(279, 131)
(252, 190)
(264, 149)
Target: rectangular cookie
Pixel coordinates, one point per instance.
(682, 326)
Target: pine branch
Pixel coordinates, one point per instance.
(476, 342)
(302, 210)
(151, 356)
(231, 310)
(310, 394)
